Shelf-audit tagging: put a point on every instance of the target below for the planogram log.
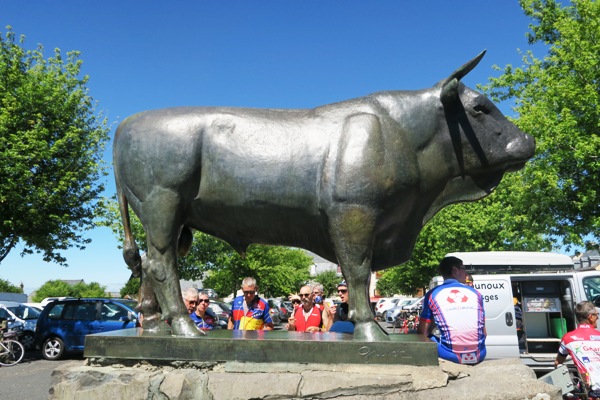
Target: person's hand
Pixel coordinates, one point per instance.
(313, 329)
(291, 326)
(331, 310)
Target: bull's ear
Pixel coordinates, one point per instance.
(449, 94)
(465, 69)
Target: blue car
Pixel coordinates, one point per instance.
(63, 324)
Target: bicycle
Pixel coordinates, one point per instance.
(11, 350)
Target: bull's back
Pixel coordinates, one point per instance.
(244, 175)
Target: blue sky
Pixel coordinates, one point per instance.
(282, 54)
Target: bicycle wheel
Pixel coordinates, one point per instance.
(11, 352)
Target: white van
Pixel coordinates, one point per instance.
(545, 286)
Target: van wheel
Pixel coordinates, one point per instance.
(53, 348)
(26, 340)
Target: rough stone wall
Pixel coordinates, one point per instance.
(497, 379)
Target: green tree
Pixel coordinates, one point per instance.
(329, 280)
(51, 144)
(58, 288)
(278, 271)
(7, 287)
(558, 101)
(131, 288)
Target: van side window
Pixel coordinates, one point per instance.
(85, 312)
(112, 312)
(4, 314)
(56, 311)
(591, 286)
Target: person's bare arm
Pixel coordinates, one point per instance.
(268, 327)
(424, 327)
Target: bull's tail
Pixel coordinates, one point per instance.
(131, 253)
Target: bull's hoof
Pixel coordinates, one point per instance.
(184, 326)
(370, 332)
(151, 323)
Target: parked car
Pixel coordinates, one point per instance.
(21, 315)
(415, 306)
(393, 313)
(284, 312)
(386, 305)
(212, 293)
(37, 306)
(63, 324)
(47, 300)
(289, 307)
(275, 311)
(222, 310)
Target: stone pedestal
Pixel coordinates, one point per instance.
(133, 364)
(133, 380)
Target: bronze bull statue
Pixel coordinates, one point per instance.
(353, 182)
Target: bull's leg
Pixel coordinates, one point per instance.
(148, 304)
(162, 229)
(352, 234)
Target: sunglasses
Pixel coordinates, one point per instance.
(247, 292)
(296, 302)
(342, 290)
(192, 301)
(304, 294)
(204, 301)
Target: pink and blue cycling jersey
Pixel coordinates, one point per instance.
(457, 310)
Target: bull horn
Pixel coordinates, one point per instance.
(465, 69)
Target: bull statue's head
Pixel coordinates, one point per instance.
(485, 143)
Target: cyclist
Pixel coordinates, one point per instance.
(583, 345)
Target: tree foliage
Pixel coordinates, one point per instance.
(51, 144)
(7, 287)
(131, 288)
(557, 98)
(329, 280)
(58, 288)
(278, 271)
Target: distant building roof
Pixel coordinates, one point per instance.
(589, 259)
(72, 282)
(321, 265)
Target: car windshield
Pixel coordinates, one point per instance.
(25, 312)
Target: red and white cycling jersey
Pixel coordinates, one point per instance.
(583, 344)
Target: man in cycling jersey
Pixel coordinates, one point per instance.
(583, 345)
(457, 310)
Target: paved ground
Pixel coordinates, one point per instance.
(30, 379)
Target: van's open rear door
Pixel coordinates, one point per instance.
(499, 315)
